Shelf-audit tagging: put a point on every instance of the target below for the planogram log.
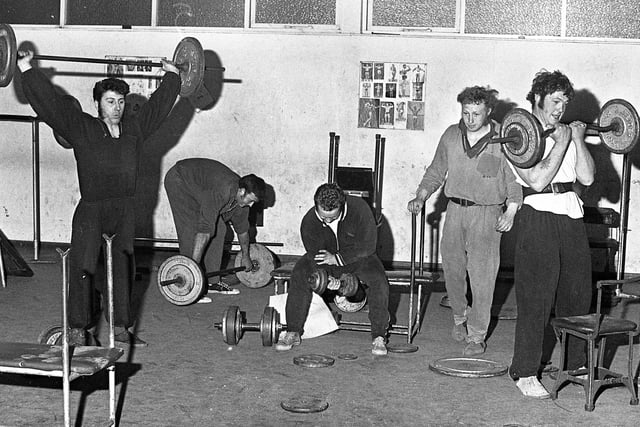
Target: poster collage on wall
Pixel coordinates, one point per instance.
(392, 95)
(143, 79)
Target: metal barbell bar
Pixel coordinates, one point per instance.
(180, 280)
(188, 58)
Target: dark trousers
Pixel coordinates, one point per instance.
(369, 270)
(186, 215)
(552, 272)
(90, 221)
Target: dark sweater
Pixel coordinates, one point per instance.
(357, 233)
(107, 167)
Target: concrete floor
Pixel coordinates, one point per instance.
(189, 377)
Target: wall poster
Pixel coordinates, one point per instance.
(391, 95)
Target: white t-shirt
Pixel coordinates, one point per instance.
(562, 204)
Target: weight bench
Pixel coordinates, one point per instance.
(65, 361)
(414, 278)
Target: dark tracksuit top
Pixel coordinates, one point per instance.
(107, 175)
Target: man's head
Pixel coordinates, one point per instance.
(251, 189)
(329, 201)
(477, 104)
(109, 97)
(550, 93)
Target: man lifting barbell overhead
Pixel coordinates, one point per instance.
(552, 266)
(483, 200)
(205, 195)
(108, 150)
(340, 236)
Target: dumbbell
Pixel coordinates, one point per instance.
(233, 326)
(319, 281)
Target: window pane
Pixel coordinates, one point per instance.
(414, 13)
(30, 11)
(522, 17)
(296, 12)
(109, 12)
(201, 13)
(613, 18)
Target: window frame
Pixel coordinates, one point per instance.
(369, 28)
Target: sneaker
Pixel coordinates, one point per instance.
(204, 300)
(474, 348)
(459, 332)
(531, 387)
(222, 288)
(288, 340)
(378, 347)
(126, 338)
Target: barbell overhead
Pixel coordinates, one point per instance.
(188, 58)
(523, 138)
(181, 280)
(233, 326)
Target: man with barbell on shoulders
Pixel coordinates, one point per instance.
(108, 150)
(204, 195)
(552, 268)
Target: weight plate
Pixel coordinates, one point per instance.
(402, 348)
(268, 326)
(232, 325)
(51, 336)
(190, 53)
(261, 274)
(521, 124)
(468, 367)
(625, 138)
(304, 405)
(314, 361)
(8, 54)
(318, 281)
(72, 103)
(347, 356)
(189, 289)
(347, 306)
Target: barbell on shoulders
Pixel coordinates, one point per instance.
(233, 326)
(188, 57)
(523, 138)
(181, 280)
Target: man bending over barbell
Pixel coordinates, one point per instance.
(107, 149)
(552, 264)
(204, 195)
(340, 235)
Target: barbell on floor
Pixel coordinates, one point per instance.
(523, 138)
(181, 280)
(188, 58)
(233, 326)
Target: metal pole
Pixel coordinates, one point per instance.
(412, 279)
(66, 386)
(624, 216)
(35, 143)
(111, 369)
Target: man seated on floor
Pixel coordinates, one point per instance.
(204, 195)
(340, 235)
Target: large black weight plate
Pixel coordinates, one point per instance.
(232, 325)
(621, 112)
(468, 367)
(304, 404)
(189, 52)
(8, 54)
(51, 336)
(402, 348)
(314, 361)
(192, 285)
(263, 266)
(529, 150)
(268, 326)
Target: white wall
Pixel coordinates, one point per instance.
(292, 90)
